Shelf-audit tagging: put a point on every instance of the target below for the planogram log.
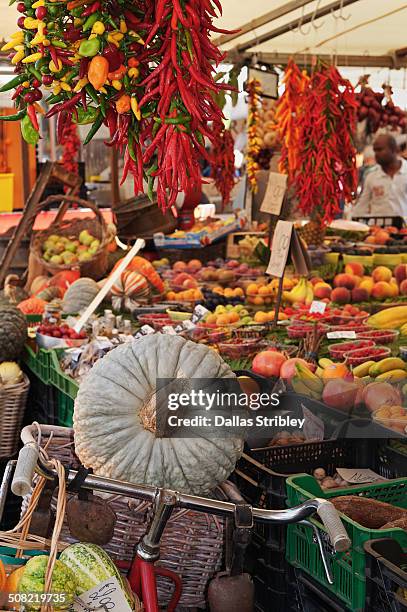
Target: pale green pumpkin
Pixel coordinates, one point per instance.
(114, 418)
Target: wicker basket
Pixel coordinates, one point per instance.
(192, 545)
(94, 268)
(12, 405)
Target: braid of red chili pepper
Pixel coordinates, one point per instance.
(223, 163)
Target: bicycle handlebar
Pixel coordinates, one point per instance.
(29, 461)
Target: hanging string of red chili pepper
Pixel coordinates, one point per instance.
(327, 157)
(223, 163)
(71, 145)
(253, 140)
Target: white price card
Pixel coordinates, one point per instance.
(318, 307)
(188, 325)
(107, 595)
(169, 330)
(199, 313)
(359, 476)
(280, 248)
(341, 335)
(275, 192)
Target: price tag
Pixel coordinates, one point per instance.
(169, 330)
(317, 307)
(341, 335)
(107, 595)
(188, 325)
(146, 330)
(313, 426)
(275, 192)
(280, 248)
(359, 476)
(199, 313)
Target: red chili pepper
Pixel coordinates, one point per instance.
(83, 67)
(33, 116)
(64, 105)
(54, 55)
(91, 9)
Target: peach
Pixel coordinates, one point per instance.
(357, 279)
(179, 266)
(381, 273)
(194, 265)
(316, 280)
(354, 268)
(370, 240)
(400, 273)
(360, 295)
(341, 295)
(381, 237)
(403, 287)
(252, 289)
(322, 290)
(190, 283)
(367, 285)
(381, 290)
(344, 280)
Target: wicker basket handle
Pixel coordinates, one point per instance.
(67, 199)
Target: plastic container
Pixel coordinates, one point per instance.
(65, 406)
(376, 353)
(157, 321)
(59, 379)
(337, 351)
(380, 336)
(39, 362)
(345, 319)
(6, 192)
(311, 597)
(392, 417)
(386, 572)
(235, 349)
(348, 568)
(300, 330)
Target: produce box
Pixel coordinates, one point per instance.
(38, 362)
(386, 572)
(348, 568)
(310, 596)
(59, 379)
(199, 238)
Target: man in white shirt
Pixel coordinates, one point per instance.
(385, 190)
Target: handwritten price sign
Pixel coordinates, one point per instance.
(275, 192)
(280, 248)
(107, 595)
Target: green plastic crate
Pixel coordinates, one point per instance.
(348, 568)
(65, 406)
(59, 379)
(38, 362)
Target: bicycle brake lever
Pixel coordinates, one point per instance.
(325, 562)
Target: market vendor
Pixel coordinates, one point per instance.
(385, 189)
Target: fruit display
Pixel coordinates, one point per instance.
(61, 331)
(63, 250)
(125, 440)
(376, 113)
(189, 295)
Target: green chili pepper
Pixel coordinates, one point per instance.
(95, 127)
(130, 146)
(53, 98)
(112, 23)
(51, 26)
(28, 131)
(61, 73)
(52, 11)
(155, 129)
(152, 168)
(126, 81)
(70, 75)
(15, 117)
(200, 138)
(190, 45)
(102, 105)
(90, 90)
(76, 12)
(14, 82)
(90, 21)
(150, 192)
(34, 72)
(58, 43)
(43, 61)
(86, 117)
(89, 48)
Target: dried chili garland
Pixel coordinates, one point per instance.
(253, 142)
(223, 163)
(327, 156)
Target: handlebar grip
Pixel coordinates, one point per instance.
(23, 476)
(332, 521)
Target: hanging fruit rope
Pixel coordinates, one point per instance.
(71, 145)
(289, 116)
(253, 140)
(327, 156)
(223, 163)
(144, 69)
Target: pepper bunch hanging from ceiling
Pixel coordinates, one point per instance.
(223, 162)
(144, 69)
(253, 140)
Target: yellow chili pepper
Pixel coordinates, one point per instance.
(135, 108)
(37, 4)
(123, 26)
(37, 40)
(117, 84)
(19, 34)
(30, 23)
(98, 27)
(137, 37)
(112, 40)
(92, 35)
(41, 27)
(46, 42)
(56, 88)
(117, 35)
(39, 108)
(32, 58)
(80, 84)
(133, 72)
(66, 87)
(10, 45)
(77, 22)
(103, 90)
(17, 57)
(26, 84)
(54, 68)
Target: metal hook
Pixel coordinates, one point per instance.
(300, 28)
(341, 15)
(314, 25)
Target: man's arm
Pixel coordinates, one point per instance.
(362, 206)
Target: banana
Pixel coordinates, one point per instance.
(403, 330)
(325, 362)
(309, 296)
(313, 382)
(300, 387)
(319, 371)
(363, 369)
(390, 318)
(392, 375)
(296, 295)
(386, 365)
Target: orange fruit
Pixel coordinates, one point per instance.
(222, 319)
(197, 294)
(211, 319)
(3, 576)
(228, 292)
(171, 295)
(264, 290)
(233, 317)
(238, 292)
(260, 317)
(252, 289)
(13, 579)
(258, 300)
(335, 370)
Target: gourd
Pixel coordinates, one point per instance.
(49, 293)
(144, 267)
(115, 416)
(33, 581)
(79, 295)
(13, 332)
(39, 284)
(128, 288)
(33, 305)
(64, 279)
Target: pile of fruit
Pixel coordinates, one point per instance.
(379, 110)
(61, 250)
(61, 331)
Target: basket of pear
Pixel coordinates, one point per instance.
(77, 243)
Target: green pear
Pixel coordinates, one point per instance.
(56, 259)
(70, 246)
(84, 256)
(48, 244)
(47, 255)
(67, 256)
(85, 238)
(58, 248)
(53, 238)
(95, 244)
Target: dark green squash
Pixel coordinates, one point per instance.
(13, 332)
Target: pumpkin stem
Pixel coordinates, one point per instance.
(148, 415)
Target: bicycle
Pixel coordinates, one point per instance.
(142, 572)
